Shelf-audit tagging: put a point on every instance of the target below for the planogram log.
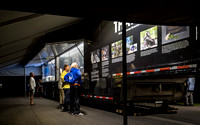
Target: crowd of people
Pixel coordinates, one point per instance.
(69, 87)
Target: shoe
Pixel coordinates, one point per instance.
(32, 104)
(72, 113)
(59, 107)
(79, 114)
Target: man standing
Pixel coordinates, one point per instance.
(190, 84)
(66, 88)
(61, 93)
(32, 88)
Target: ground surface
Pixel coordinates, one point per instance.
(16, 111)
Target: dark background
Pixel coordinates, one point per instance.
(14, 85)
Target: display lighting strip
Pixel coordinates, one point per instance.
(98, 97)
(159, 69)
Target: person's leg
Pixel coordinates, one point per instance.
(77, 99)
(187, 98)
(68, 98)
(62, 96)
(65, 100)
(31, 97)
(42, 90)
(191, 99)
(72, 99)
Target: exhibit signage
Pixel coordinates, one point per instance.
(146, 46)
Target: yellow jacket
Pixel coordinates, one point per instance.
(67, 86)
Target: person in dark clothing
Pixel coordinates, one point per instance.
(190, 84)
(40, 88)
(75, 90)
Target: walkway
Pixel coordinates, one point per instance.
(16, 111)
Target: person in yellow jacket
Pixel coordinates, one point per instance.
(66, 88)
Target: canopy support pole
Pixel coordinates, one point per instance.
(25, 82)
(124, 72)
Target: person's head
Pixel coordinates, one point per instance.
(74, 65)
(31, 74)
(66, 67)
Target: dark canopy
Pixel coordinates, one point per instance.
(25, 28)
(176, 12)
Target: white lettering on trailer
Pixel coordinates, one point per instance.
(118, 27)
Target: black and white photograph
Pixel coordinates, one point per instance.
(95, 56)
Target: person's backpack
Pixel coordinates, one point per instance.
(70, 78)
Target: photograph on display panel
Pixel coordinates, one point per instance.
(105, 53)
(149, 38)
(130, 46)
(174, 33)
(95, 56)
(116, 49)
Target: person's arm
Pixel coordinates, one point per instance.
(79, 76)
(31, 84)
(187, 84)
(34, 82)
(65, 79)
